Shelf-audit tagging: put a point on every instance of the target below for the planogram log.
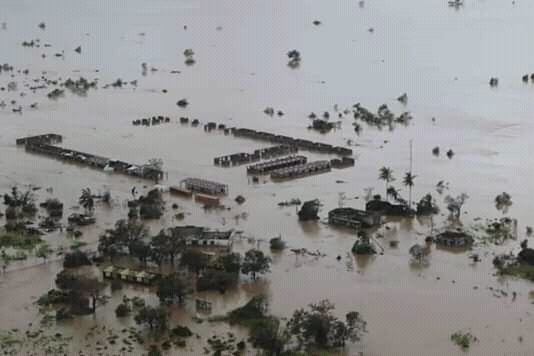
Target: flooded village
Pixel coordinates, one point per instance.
(266, 178)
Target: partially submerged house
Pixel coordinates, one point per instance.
(352, 218)
(383, 207)
(451, 238)
(202, 238)
(129, 275)
(204, 186)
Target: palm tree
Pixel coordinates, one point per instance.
(408, 181)
(392, 192)
(386, 174)
(86, 200)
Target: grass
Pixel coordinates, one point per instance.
(463, 340)
(24, 242)
(521, 270)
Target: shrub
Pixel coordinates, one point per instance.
(154, 351)
(11, 213)
(216, 280)
(122, 310)
(181, 331)
(76, 259)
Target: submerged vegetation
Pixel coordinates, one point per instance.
(463, 339)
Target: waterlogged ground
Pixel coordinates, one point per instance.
(441, 57)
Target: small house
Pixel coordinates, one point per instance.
(352, 218)
(109, 272)
(453, 239)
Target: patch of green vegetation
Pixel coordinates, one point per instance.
(77, 245)
(24, 242)
(15, 342)
(463, 340)
(521, 270)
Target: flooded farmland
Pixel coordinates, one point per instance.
(442, 57)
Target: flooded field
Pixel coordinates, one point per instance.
(442, 57)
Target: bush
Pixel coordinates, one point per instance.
(166, 345)
(150, 212)
(180, 343)
(181, 331)
(11, 213)
(133, 213)
(122, 310)
(154, 351)
(216, 280)
(76, 259)
(277, 244)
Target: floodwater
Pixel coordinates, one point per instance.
(441, 57)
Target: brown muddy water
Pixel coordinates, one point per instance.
(441, 57)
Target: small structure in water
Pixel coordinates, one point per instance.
(363, 245)
(81, 219)
(204, 186)
(451, 238)
(207, 200)
(382, 207)
(301, 170)
(48, 139)
(344, 162)
(180, 191)
(266, 167)
(202, 238)
(131, 276)
(352, 218)
(309, 210)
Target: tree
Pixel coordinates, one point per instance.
(267, 334)
(454, 205)
(151, 206)
(20, 203)
(116, 240)
(44, 251)
(503, 202)
(194, 260)
(386, 174)
(392, 192)
(86, 201)
(171, 288)
(408, 181)
(140, 250)
(231, 262)
(427, 206)
(255, 262)
(80, 287)
(319, 327)
(155, 318)
(167, 245)
(76, 259)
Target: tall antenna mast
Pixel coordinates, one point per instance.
(411, 156)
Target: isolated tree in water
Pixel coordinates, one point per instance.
(454, 205)
(320, 328)
(503, 202)
(386, 174)
(408, 181)
(255, 262)
(86, 201)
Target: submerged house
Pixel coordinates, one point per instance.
(202, 238)
(131, 276)
(352, 218)
(383, 207)
(451, 238)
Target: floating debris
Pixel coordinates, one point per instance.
(182, 103)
